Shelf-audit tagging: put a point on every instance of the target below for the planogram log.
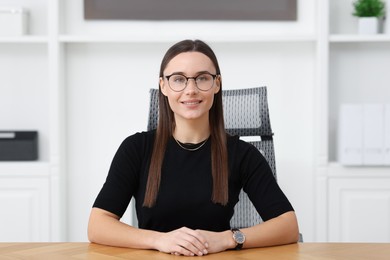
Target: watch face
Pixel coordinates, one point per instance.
(239, 237)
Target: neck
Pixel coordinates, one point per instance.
(191, 132)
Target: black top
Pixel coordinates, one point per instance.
(184, 198)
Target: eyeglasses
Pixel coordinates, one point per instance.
(178, 82)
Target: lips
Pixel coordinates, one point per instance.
(191, 102)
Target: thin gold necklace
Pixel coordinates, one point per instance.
(190, 149)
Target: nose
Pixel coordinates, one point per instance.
(191, 85)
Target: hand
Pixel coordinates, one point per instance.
(218, 241)
(182, 241)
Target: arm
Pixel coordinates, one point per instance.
(277, 231)
(105, 228)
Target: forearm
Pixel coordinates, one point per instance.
(277, 231)
(105, 228)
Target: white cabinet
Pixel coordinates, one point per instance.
(25, 209)
(359, 209)
(25, 202)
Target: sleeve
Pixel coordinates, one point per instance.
(122, 179)
(261, 186)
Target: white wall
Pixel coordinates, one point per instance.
(107, 98)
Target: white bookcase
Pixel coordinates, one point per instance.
(351, 202)
(32, 193)
(49, 86)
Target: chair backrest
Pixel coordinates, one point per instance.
(246, 115)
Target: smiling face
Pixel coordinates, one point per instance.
(190, 103)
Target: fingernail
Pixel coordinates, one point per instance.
(205, 251)
(206, 245)
(200, 253)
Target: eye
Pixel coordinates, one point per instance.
(203, 78)
(178, 79)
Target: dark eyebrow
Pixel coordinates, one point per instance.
(177, 73)
(205, 71)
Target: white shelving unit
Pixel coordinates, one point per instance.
(34, 191)
(57, 96)
(353, 38)
(349, 198)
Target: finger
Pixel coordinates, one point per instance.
(182, 251)
(192, 244)
(189, 242)
(199, 237)
(192, 248)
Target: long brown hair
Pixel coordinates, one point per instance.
(166, 125)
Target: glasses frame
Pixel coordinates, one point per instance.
(194, 78)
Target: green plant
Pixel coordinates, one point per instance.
(369, 8)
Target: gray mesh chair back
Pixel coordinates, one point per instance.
(246, 114)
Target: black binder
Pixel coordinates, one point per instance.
(18, 145)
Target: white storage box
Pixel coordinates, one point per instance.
(364, 134)
(13, 21)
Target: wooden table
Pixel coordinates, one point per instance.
(305, 251)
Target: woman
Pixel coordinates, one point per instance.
(187, 174)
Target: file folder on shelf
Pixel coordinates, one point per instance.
(373, 134)
(350, 137)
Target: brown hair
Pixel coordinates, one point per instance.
(166, 125)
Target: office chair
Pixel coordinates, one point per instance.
(246, 115)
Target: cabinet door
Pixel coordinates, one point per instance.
(359, 210)
(24, 206)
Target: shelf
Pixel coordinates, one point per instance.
(337, 170)
(24, 169)
(350, 38)
(168, 39)
(24, 39)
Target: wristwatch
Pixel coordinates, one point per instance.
(239, 238)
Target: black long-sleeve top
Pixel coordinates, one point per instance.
(184, 197)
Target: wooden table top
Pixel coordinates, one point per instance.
(305, 251)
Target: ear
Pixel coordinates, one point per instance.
(218, 81)
(163, 86)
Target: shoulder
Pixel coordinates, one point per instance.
(236, 145)
(144, 136)
(139, 141)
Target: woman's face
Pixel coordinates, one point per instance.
(190, 103)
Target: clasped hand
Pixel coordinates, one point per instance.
(189, 242)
